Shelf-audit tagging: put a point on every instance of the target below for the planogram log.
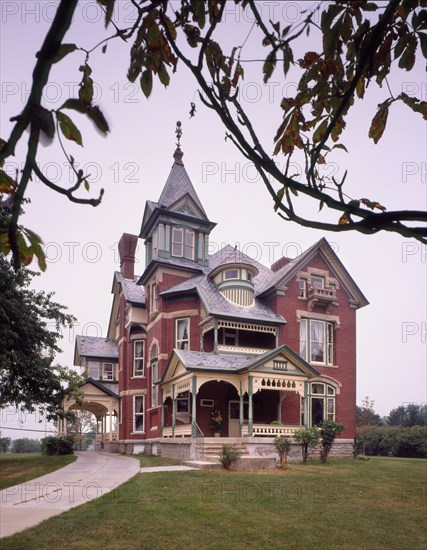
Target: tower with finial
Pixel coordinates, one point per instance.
(178, 152)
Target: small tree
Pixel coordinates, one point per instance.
(307, 438)
(329, 429)
(57, 445)
(4, 444)
(26, 445)
(228, 455)
(283, 446)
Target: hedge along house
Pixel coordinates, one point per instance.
(199, 335)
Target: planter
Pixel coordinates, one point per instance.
(217, 434)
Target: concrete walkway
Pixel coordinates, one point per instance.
(92, 475)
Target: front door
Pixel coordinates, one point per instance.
(234, 417)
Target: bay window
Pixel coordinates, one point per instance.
(317, 341)
(182, 334)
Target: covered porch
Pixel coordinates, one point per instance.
(211, 395)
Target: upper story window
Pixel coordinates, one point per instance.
(317, 281)
(154, 380)
(317, 341)
(183, 243)
(302, 288)
(102, 371)
(182, 334)
(154, 245)
(231, 274)
(138, 357)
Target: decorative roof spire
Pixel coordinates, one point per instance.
(178, 153)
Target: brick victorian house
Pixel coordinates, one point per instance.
(269, 348)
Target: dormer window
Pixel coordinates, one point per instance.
(234, 281)
(183, 243)
(185, 209)
(231, 274)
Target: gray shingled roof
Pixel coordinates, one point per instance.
(94, 346)
(177, 185)
(133, 292)
(212, 361)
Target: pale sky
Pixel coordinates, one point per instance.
(132, 164)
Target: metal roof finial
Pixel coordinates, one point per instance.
(178, 132)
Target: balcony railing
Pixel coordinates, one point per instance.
(321, 296)
(241, 349)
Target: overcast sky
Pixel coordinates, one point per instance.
(133, 162)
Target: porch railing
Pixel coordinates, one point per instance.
(271, 430)
(183, 430)
(199, 439)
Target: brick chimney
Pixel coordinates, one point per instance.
(127, 247)
(280, 263)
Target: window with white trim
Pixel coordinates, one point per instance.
(317, 281)
(183, 243)
(322, 403)
(154, 385)
(154, 300)
(138, 413)
(317, 341)
(108, 371)
(93, 369)
(182, 333)
(302, 288)
(183, 402)
(138, 357)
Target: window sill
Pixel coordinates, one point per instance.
(136, 433)
(153, 408)
(139, 376)
(317, 364)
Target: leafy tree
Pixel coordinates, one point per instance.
(82, 427)
(26, 445)
(365, 417)
(359, 44)
(329, 429)
(409, 415)
(307, 438)
(57, 445)
(4, 444)
(30, 324)
(283, 446)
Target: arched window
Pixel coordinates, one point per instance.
(321, 402)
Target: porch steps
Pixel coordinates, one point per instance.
(213, 448)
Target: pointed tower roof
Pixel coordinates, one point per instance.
(178, 185)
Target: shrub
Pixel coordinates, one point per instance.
(228, 455)
(26, 445)
(329, 429)
(57, 446)
(395, 441)
(306, 437)
(283, 446)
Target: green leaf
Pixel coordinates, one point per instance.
(321, 205)
(68, 128)
(340, 146)
(280, 194)
(146, 82)
(198, 9)
(164, 75)
(74, 104)
(378, 123)
(320, 131)
(86, 184)
(45, 122)
(408, 57)
(64, 49)
(269, 65)
(109, 8)
(96, 116)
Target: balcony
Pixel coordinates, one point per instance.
(321, 297)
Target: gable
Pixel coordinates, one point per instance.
(187, 207)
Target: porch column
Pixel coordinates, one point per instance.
(250, 408)
(305, 404)
(193, 406)
(202, 341)
(215, 335)
(110, 416)
(173, 410)
(102, 431)
(277, 337)
(162, 414)
(241, 419)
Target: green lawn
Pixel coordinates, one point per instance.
(148, 461)
(345, 504)
(20, 467)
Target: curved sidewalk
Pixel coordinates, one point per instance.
(92, 475)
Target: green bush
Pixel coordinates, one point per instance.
(306, 437)
(26, 445)
(57, 446)
(329, 429)
(228, 455)
(283, 446)
(394, 441)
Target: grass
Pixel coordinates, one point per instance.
(20, 467)
(345, 504)
(148, 461)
